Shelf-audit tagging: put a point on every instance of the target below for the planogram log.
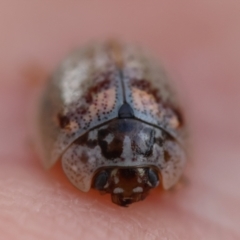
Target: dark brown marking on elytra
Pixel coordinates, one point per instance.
(167, 136)
(159, 141)
(167, 156)
(96, 89)
(84, 157)
(110, 150)
(141, 144)
(141, 135)
(85, 141)
(63, 120)
(92, 143)
(82, 110)
(146, 86)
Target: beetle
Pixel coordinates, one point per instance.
(109, 114)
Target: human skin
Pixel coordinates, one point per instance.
(198, 42)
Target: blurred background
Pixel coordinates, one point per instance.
(198, 43)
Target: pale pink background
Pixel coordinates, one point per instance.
(199, 43)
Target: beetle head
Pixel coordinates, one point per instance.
(126, 185)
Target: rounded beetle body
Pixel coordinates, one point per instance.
(109, 115)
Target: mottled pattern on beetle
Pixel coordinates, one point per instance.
(123, 142)
(88, 90)
(148, 92)
(122, 139)
(99, 103)
(90, 93)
